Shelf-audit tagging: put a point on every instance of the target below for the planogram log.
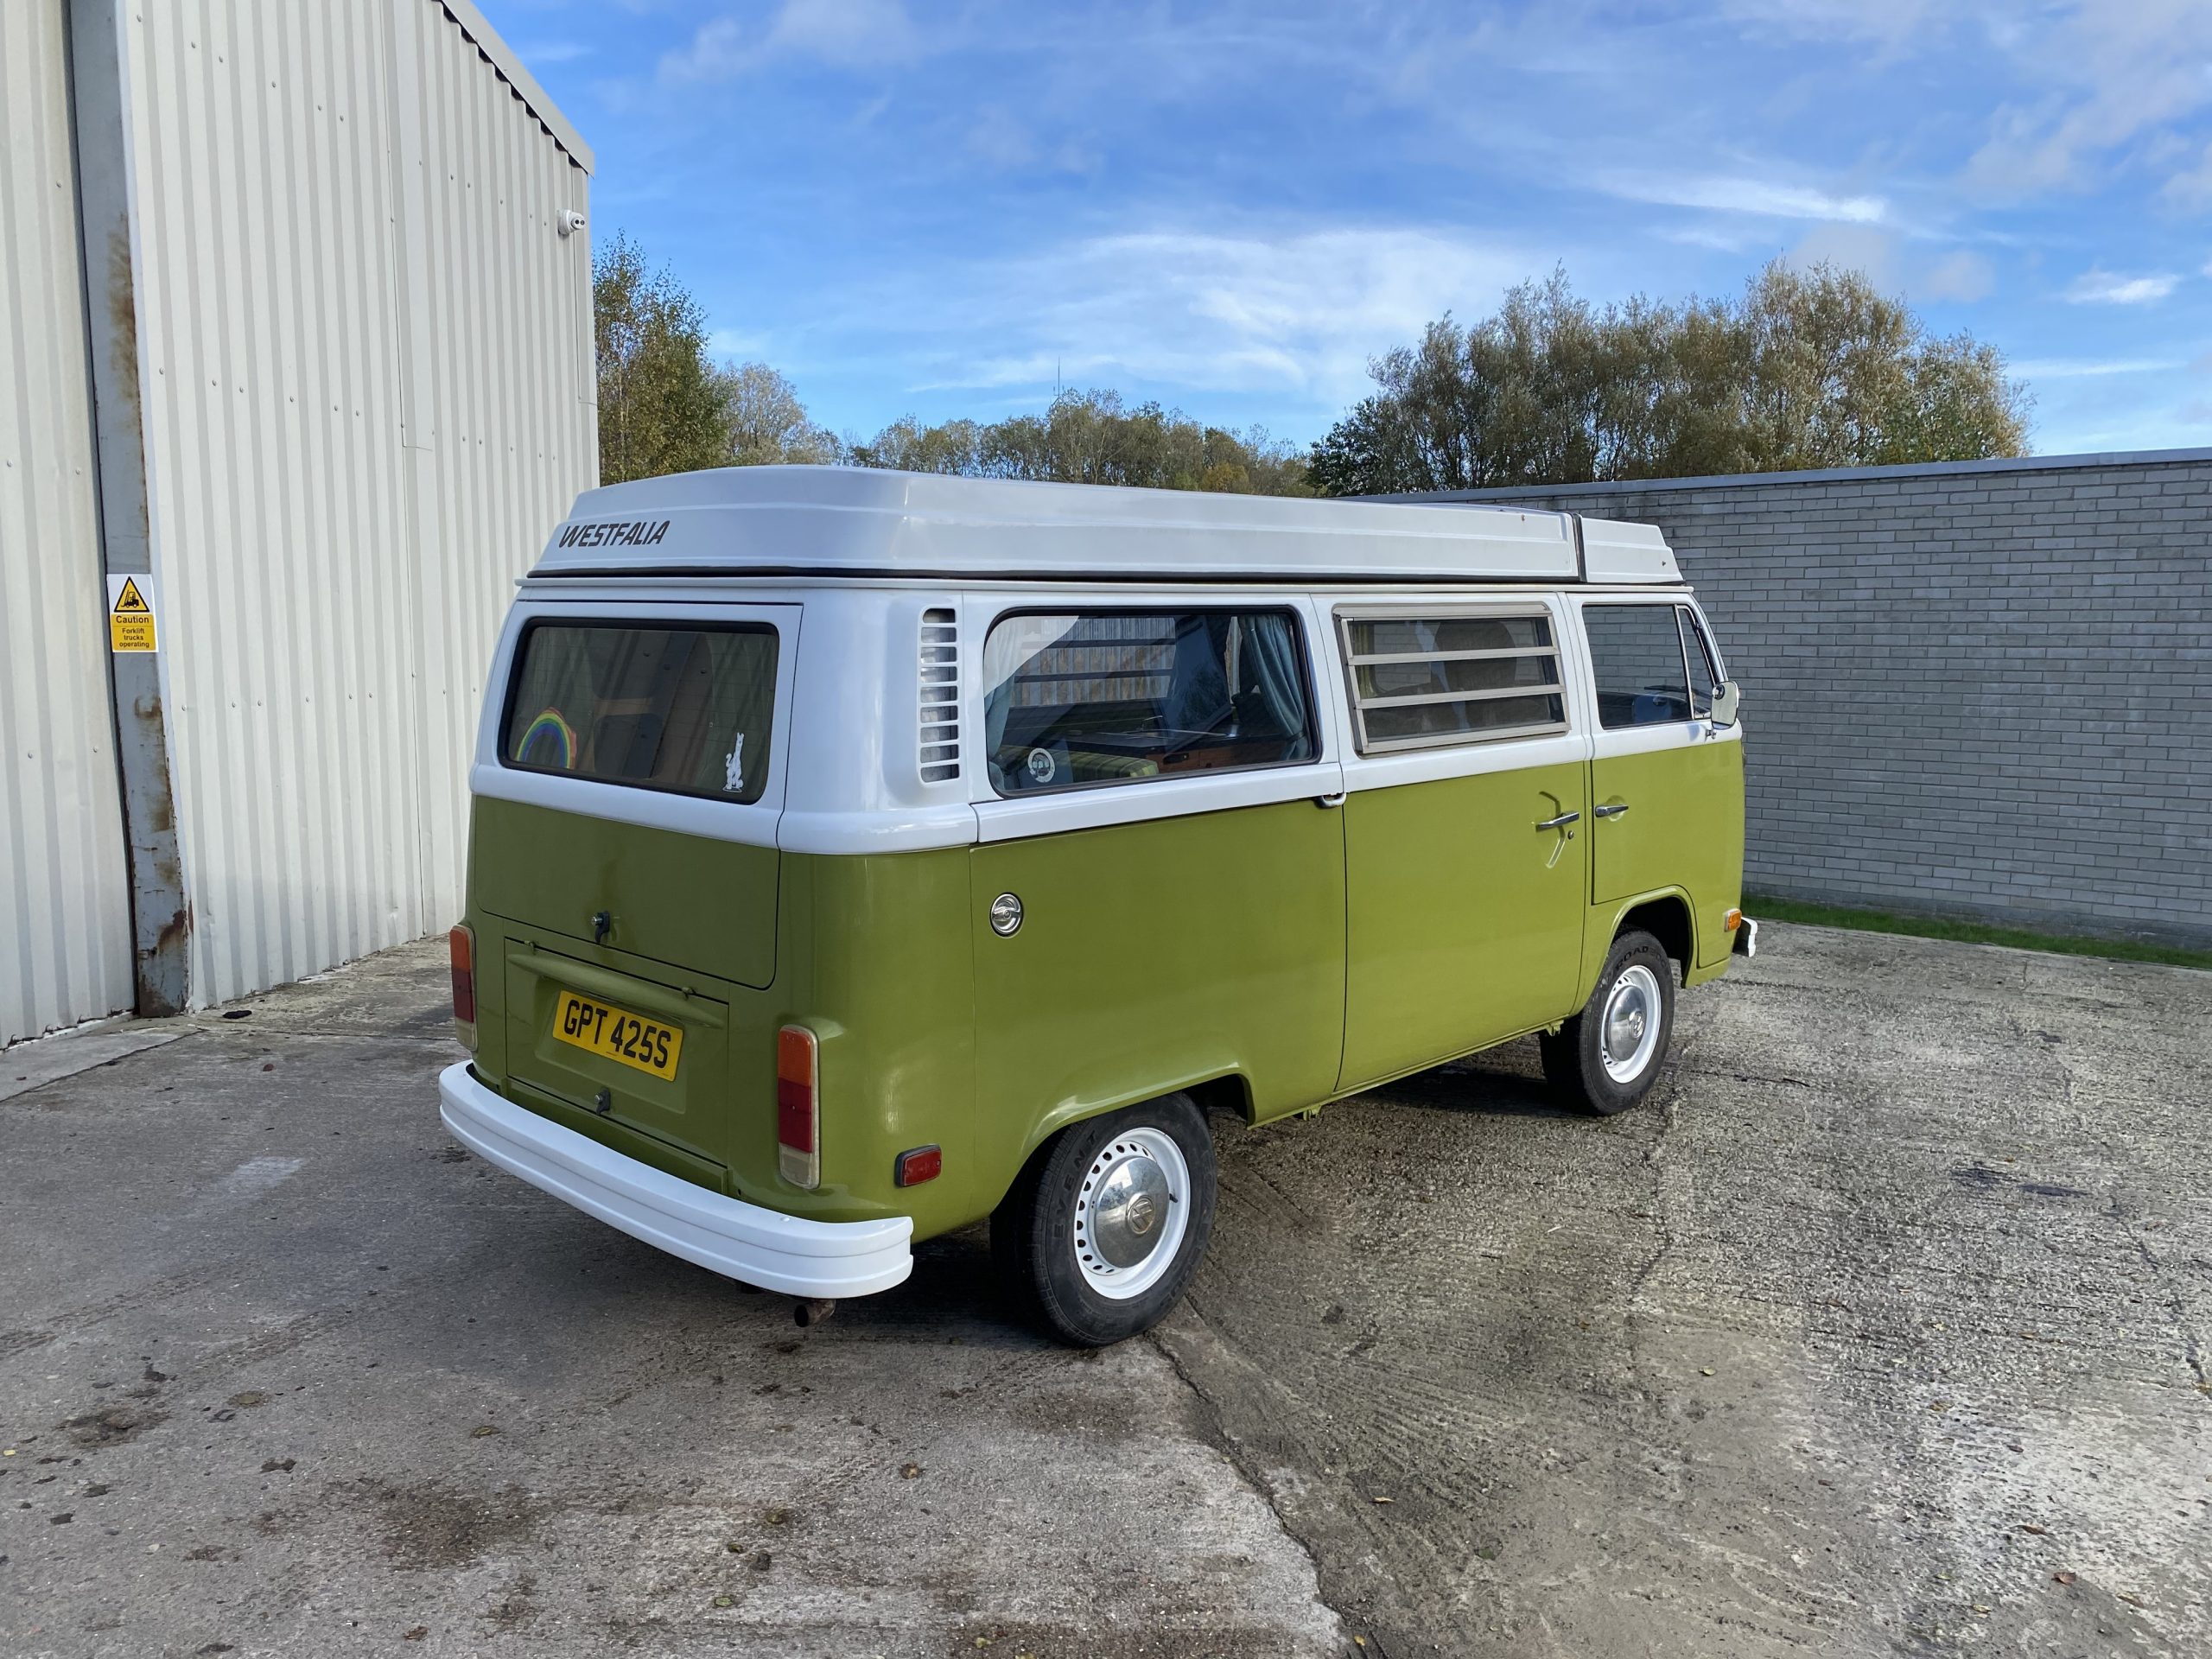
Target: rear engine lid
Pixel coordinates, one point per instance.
(693, 904)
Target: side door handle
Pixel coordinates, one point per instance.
(1560, 821)
(1608, 811)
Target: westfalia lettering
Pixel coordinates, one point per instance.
(638, 532)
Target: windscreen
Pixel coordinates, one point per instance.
(685, 709)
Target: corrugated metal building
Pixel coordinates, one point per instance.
(295, 334)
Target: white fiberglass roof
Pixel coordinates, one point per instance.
(864, 522)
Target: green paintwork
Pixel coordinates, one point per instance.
(1465, 918)
(1152, 956)
(685, 1111)
(1683, 831)
(707, 905)
(1155, 956)
(874, 958)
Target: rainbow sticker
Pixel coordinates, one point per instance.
(548, 724)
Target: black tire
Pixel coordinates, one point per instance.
(1574, 1057)
(1033, 1240)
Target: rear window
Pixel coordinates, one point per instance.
(1073, 698)
(686, 710)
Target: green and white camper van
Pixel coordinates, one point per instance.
(859, 855)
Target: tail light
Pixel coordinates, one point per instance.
(461, 945)
(798, 1107)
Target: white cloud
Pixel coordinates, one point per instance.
(1852, 247)
(998, 139)
(1888, 23)
(2101, 78)
(2098, 286)
(539, 52)
(852, 34)
(2079, 368)
(1892, 265)
(2192, 189)
(1764, 197)
(1720, 238)
(737, 344)
(1961, 276)
(1300, 311)
(843, 34)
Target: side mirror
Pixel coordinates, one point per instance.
(1727, 697)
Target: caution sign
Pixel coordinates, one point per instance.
(130, 614)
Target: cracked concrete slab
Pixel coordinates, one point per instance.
(285, 1370)
(1890, 1307)
(33, 1064)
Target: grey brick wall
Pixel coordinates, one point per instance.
(1982, 690)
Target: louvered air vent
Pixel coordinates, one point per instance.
(940, 733)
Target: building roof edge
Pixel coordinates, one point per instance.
(1821, 475)
(472, 23)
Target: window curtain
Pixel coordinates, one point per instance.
(1270, 653)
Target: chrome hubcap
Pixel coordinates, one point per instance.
(1130, 1212)
(1628, 1030)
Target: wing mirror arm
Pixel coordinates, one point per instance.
(1727, 697)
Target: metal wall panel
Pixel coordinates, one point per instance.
(65, 920)
(510, 397)
(358, 338)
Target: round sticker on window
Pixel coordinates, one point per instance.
(1042, 767)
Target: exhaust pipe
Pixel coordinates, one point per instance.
(813, 1312)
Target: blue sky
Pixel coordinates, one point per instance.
(931, 210)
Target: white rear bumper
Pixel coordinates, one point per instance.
(757, 1246)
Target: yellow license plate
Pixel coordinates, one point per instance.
(618, 1034)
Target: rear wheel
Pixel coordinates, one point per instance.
(1106, 1224)
(1606, 1058)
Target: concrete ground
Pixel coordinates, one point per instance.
(1881, 1328)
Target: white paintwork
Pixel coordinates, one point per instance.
(750, 822)
(727, 1236)
(486, 40)
(364, 359)
(845, 772)
(1622, 553)
(833, 520)
(65, 893)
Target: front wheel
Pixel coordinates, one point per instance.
(1106, 1224)
(1606, 1058)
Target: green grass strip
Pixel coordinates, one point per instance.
(1764, 908)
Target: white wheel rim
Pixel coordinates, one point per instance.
(1132, 1209)
(1628, 1029)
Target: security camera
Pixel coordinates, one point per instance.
(571, 221)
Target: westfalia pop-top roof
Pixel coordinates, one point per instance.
(858, 521)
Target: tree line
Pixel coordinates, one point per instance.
(1804, 369)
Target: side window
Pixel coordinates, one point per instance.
(1077, 698)
(1635, 651)
(1422, 680)
(1697, 652)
